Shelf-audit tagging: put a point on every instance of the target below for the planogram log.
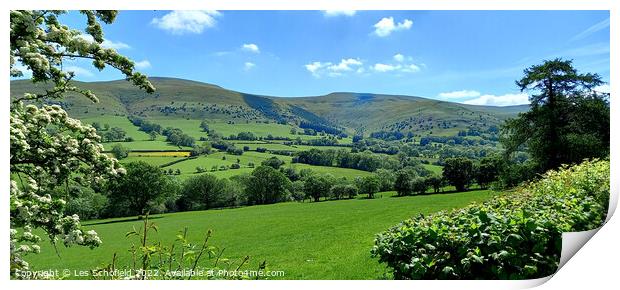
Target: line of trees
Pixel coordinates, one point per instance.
(342, 158)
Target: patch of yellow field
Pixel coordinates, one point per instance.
(160, 154)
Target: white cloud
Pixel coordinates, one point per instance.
(115, 44)
(345, 65)
(143, 64)
(459, 94)
(251, 47)
(591, 30)
(380, 67)
(386, 26)
(399, 57)
(406, 68)
(248, 66)
(186, 21)
(411, 68)
(78, 71)
(503, 100)
(314, 67)
(333, 13)
(348, 66)
(118, 45)
(330, 69)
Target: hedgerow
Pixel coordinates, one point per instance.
(514, 236)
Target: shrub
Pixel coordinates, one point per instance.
(273, 162)
(119, 151)
(517, 236)
(343, 191)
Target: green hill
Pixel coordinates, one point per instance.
(351, 112)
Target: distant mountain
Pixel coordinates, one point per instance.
(351, 112)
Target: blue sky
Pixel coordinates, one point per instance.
(463, 56)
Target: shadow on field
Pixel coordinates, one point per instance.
(131, 219)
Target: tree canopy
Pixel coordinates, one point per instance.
(42, 160)
(568, 119)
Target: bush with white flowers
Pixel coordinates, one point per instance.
(49, 149)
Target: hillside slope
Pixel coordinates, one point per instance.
(178, 98)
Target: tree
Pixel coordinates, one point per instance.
(115, 134)
(266, 185)
(97, 126)
(403, 182)
(119, 151)
(297, 190)
(419, 185)
(318, 185)
(435, 181)
(273, 162)
(204, 125)
(153, 135)
(369, 185)
(344, 191)
(200, 192)
(386, 179)
(141, 189)
(71, 154)
(458, 172)
(487, 171)
(568, 120)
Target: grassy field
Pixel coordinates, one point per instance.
(348, 173)
(324, 240)
(159, 144)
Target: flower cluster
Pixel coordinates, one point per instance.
(48, 148)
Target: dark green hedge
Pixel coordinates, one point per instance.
(514, 236)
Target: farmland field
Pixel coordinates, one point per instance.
(324, 240)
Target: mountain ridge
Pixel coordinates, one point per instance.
(350, 111)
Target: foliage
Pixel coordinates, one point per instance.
(273, 162)
(266, 185)
(368, 185)
(458, 172)
(339, 191)
(140, 190)
(318, 185)
(119, 151)
(516, 236)
(403, 182)
(181, 260)
(487, 171)
(341, 158)
(568, 121)
(114, 134)
(47, 147)
(387, 178)
(86, 203)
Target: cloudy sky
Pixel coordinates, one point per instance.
(463, 56)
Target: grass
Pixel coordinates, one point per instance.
(118, 121)
(160, 154)
(157, 161)
(436, 169)
(159, 144)
(324, 240)
(348, 173)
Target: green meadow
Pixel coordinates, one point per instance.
(322, 240)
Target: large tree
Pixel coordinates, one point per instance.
(48, 148)
(568, 119)
(458, 172)
(140, 189)
(266, 185)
